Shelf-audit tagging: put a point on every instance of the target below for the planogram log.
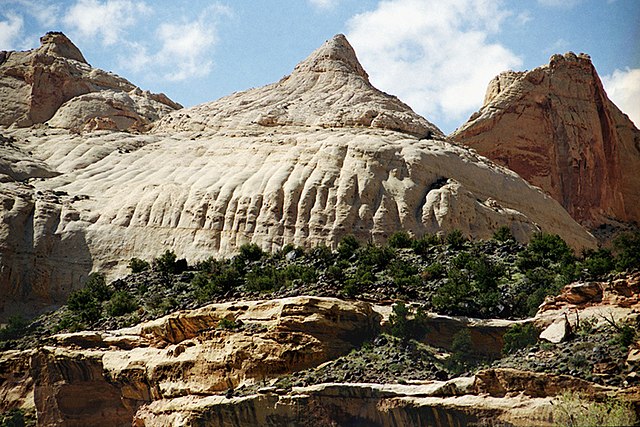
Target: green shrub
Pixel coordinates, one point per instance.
(400, 239)
(455, 239)
(165, 263)
(627, 246)
(519, 336)
(84, 304)
(304, 274)
(434, 271)
(348, 246)
(97, 286)
(421, 246)
(375, 257)
(13, 418)
(250, 252)
(626, 336)
(264, 279)
(544, 250)
(574, 410)
(598, 263)
(503, 234)
(407, 324)
(462, 357)
(15, 328)
(121, 303)
(226, 324)
(138, 265)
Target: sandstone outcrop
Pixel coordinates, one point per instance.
(555, 126)
(55, 82)
(336, 157)
(187, 367)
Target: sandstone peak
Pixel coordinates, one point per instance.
(55, 43)
(556, 127)
(55, 84)
(335, 55)
(329, 89)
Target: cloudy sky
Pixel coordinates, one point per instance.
(436, 55)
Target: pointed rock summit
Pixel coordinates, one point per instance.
(557, 128)
(329, 89)
(335, 55)
(55, 84)
(55, 43)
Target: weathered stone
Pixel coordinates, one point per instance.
(557, 332)
(210, 178)
(555, 126)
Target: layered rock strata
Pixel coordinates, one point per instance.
(556, 127)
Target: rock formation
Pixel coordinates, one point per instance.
(189, 367)
(55, 82)
(555, 126)
(308, 160)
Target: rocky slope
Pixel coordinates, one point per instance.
(55, 83)
(307, 160)
(229, 364)
(555, 126)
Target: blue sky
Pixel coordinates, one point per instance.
(436, 55)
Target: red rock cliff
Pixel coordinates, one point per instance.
(556, 127)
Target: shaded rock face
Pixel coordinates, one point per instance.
(35, 84)
(555, 126)
(308, 160)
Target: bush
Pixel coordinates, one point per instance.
(264, 279)
(544, 250)
(121, 303)
(626, 336)
(250, 252)
(227, 324)
(519, 336)
(12, 418)
(400, 239)
(628, 247)
(97, 286)
(574, 410)
(375, 257)
(455, 239)
(463, 357)
(15, 328)
(165, 263)
(85, 305)
(503, 234)
(406, 324)
(138, 265)
(598, 263)
(421, 246)
(348, 246)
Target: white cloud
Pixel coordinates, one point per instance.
(185, 47)
(435, 56)
(104, 19)
(45, 12)
(623, 88)
(324, 4)
(560, 4)
(559, 46)
(10, 31)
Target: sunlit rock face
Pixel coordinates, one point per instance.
(555, 126)
(308, 160)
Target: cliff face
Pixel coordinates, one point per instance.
(555, 126)
(307, 160)
(222, 364)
